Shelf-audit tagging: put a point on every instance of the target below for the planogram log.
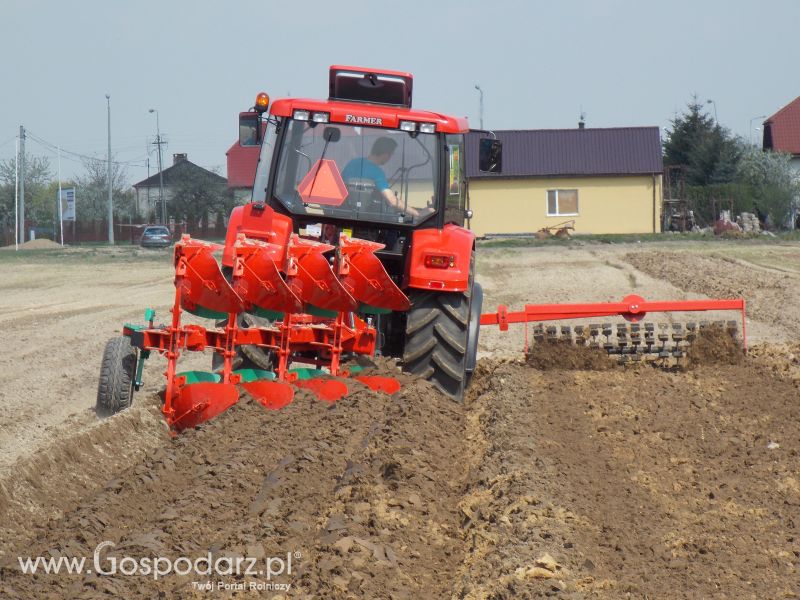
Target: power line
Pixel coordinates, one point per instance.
(138, 162)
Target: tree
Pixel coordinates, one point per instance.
(707, 151)
(39, 203)
(91, 194)
(197, 195)
(771, 179)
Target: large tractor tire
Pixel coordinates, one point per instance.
(475, 308)
(437, 332)
(117, 377)
(247, 356)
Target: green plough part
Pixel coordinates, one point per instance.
(368, 309)
(248, 375)
(200, 377)
(307, 373)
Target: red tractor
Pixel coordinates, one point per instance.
(365, 164)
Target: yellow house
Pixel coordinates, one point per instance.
(605, 180)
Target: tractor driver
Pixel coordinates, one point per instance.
(370, 168)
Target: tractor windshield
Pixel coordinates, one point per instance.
(357, 173)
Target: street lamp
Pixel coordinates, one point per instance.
(716, 121)
(480, 106)
(110, 199)
(751, 125)
(161, 199)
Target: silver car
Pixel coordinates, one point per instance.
(156, 236)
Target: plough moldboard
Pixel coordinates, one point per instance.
(311, 303)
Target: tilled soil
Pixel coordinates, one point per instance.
(554, 478)
(629, 483)
(633, 484)
(771, 293)
(363, 495)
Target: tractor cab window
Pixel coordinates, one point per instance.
(357, 173)
(456, 194)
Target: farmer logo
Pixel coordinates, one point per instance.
(363, 120)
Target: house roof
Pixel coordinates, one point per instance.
(782, 130)
(176, 171)
(570, 152)
(242, 162)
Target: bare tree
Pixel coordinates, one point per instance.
(91, 195)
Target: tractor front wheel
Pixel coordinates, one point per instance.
(437, 329)
(117, 377)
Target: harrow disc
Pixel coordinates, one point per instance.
(664, 343)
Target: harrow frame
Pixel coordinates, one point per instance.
(632, 308)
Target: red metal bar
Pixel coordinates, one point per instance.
(632, 308)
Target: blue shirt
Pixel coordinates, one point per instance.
(364, 168)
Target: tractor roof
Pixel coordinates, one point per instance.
(373, 115)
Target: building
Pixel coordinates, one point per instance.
(182, 169)
(605, 180)
(242, 162)
(782, 132)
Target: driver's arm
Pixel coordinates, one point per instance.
(394, 202)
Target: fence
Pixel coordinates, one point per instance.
(87, 232)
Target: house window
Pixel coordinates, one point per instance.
(561, 203)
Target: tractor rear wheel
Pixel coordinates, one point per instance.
(437, 330)
(247, 356)
(117, 377)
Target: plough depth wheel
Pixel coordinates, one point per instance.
(117, 376)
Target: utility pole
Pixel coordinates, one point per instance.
(16, 194)
(751, 125)
(58, 202)
(110, 199)
(480, 105)
(21, 184)
(161, 200)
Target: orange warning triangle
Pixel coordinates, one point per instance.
(323, 184)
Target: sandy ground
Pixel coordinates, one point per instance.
(576, 484)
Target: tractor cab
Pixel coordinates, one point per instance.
(363, 161)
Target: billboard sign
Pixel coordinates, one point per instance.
(68, 204)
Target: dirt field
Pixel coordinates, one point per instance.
(547, 482)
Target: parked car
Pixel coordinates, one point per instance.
(156, 236)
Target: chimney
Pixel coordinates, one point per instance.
(176, 158)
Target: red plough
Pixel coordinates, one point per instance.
(311, 306)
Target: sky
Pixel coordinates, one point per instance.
(540, 64)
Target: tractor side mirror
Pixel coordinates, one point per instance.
(332, 134)
(490, 155)
(249, 130)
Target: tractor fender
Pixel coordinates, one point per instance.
(451, 241)
(256, 221)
